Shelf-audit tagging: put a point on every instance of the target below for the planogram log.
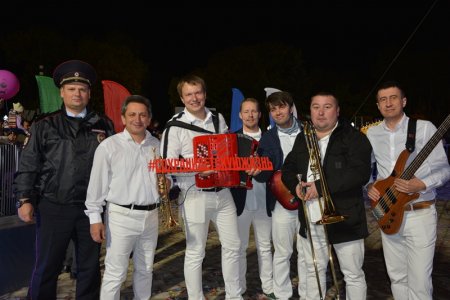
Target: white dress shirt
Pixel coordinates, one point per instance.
(120, 174)
(287, 142)
(388, 144)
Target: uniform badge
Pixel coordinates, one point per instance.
(101, 134)
(100, 137)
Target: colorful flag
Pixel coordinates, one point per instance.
(270, 91)
(49, 96)
(236, 122)
(114, 94)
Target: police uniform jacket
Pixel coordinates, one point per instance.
(55, 164)
(347, 167)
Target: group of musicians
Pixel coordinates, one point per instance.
(328, 178)
(325, 164)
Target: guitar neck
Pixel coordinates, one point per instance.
(426, 150)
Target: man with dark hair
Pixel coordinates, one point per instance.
(52, 181)
(276, 144)
(120, 179)
(343, 154)
(409, 252)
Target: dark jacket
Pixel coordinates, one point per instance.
(240, 194)
(56, 163)
(347, 167)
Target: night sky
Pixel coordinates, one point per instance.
(343, 36)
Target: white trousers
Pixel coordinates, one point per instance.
(285, 228)
(262, 228)
(126, 231)
(221, 210)
(351, 259)
(409, 255)
(350, 256)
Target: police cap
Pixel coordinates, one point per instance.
(74, 71)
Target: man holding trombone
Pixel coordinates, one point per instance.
(332, 161)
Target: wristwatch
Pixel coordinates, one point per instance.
(19, 203)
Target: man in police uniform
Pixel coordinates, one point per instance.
(52, 181)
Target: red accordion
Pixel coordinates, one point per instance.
(219, 146)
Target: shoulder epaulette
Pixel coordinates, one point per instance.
(45, 115)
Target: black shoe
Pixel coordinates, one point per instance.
(66, 269)
(73, 275)
(270, 296)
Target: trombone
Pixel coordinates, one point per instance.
(166, 208)
(329, 215)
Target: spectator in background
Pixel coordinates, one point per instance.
(26, 125)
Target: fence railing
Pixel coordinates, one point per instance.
(9, 162)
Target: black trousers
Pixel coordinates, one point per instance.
(55, 226)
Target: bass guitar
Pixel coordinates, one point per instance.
(389, 209)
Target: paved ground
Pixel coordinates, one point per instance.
(168, 280)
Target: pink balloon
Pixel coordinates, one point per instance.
(9, 85)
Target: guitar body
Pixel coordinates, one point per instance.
(389, 209)
(281, 192)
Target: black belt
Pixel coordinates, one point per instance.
(215, 190)
(141, 207)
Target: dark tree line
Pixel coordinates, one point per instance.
(122, 58)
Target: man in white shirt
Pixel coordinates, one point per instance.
(200, 206)
(252, 209)
(409, 252)
(121, 180)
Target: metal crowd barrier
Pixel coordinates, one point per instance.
(9, 162)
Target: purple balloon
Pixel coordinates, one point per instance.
(9, 85)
